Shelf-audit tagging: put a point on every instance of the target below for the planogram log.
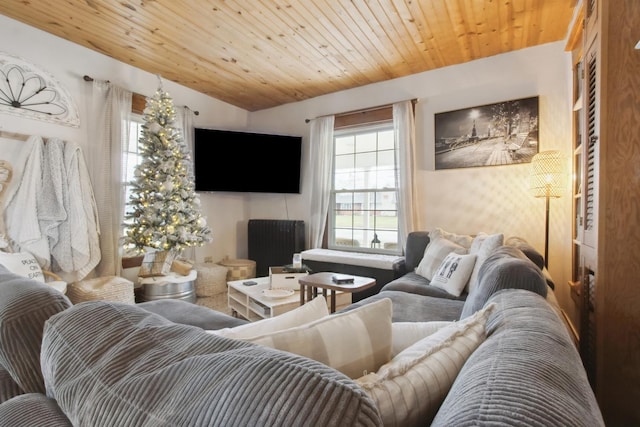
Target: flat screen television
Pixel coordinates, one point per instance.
(235, 161)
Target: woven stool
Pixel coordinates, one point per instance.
(211, 280)
(108, 288)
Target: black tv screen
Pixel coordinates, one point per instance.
(246, 162)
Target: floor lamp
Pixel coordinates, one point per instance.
(546, 181)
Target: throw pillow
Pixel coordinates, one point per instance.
(454, 273)
(531, 253)
(354, 342)
(463, 240)
(482, 247)
(405, 334)
(409, 390)
(313, 310)
(23, 264)
(434, 254)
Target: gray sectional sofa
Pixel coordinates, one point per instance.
(528, 371)
(111, 364)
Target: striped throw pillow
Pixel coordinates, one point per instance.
(354, 342)
(411, 387)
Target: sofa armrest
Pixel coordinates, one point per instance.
(527, 371)
(417, 242)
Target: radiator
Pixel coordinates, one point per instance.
(272, 242)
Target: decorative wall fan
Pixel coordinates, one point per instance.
(27, 91)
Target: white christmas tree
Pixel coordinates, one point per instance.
(165, 209)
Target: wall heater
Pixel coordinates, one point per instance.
(272, 242)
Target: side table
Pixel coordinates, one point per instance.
(324, 281)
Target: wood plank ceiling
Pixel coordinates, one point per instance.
(258, 54)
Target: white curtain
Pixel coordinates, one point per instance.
(184, 123)
(109, 110)
(321, 141)
(404, 129)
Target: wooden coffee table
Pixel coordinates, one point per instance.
(324, 281)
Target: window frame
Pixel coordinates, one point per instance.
(379, 126)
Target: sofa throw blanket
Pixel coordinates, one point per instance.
(111, 364)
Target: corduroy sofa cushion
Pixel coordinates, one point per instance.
(8, 387)
(526, 373)
(114, 364)
(24, 307)
(506, 268)
(32, 409)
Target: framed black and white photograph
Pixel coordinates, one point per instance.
(503, 133)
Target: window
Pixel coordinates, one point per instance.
(130, 159)
(364, 205)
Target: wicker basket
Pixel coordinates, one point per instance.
(239, 269)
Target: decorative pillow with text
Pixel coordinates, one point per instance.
(23, 264)
(454, 273)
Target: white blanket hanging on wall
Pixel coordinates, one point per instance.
(52, 213)
(21, 212)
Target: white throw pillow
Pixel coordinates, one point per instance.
(454, 273)
(409, 390)
(313, 310)
(405, 334)
(353, 342)
(463, 240)
(436, 251)
(23, 264)
(483, 245)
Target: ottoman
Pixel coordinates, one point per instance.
(211, 286)
(108, 288)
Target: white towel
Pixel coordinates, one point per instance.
(71, 220)
(21, 214)
(82, 224)
(52, 214)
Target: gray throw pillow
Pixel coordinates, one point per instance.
(506, 268)
(529, 251)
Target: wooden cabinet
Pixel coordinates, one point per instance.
(606, 239)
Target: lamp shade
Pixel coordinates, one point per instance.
(546, 177)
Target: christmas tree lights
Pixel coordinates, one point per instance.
(165, 209)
